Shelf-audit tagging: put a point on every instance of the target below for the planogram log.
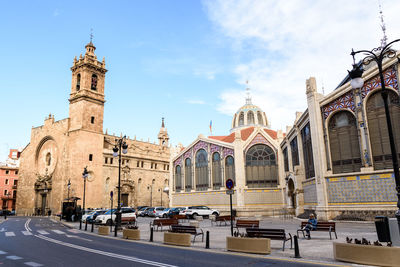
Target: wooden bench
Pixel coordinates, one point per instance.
(180, 217)
(163, 222)
(128, 220)
(225, 219)
(188, 230)
(276, 234)
(321, 226)
(247, 224)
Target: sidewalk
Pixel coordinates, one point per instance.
(319, 248)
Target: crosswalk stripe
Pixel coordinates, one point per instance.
(43, 232)
(10, 234)
(34, 264)
(2, 252)
(13, 257)
(73, 231)
(58, 232)
(26, 233)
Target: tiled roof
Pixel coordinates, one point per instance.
(245, 133)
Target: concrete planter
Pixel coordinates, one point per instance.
(133, 234)
(369, 255)
(249, 245)
(177, 239)
(104, 230)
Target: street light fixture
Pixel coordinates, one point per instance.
(119, 147)
(85, 175)
(378, 55)
(69, 187)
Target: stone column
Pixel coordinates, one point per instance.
(240, 172)
(318, 147)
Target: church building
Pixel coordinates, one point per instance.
(52, 164)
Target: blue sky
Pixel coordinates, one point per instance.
(187, 61)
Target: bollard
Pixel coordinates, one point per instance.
(60, 217)
(207, 239)
(296, 247)
(92, 226)
(80, 224)
(151, 234)
(86, 225)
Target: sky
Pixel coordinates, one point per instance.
(187, 61)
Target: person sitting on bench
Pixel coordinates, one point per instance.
(311, 225)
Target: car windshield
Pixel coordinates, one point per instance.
(109, 212)
(142, 209)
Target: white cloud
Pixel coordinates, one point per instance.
(56, 13)
(285, 42)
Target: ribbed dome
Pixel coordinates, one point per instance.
(249, 115)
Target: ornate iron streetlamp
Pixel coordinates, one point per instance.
(377, 55)
(119, 147)
(85, 175)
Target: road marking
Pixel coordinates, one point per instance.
(13, 257)
(58, 232)
(27, 225)
(26, 233)
(75, 231)
(10, 234)
(2, 252)
(33, 264)
(42, 232)
(2, 230)
(74, 236)
(104, 253)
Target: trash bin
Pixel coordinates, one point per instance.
(233, 212)
(382, 228)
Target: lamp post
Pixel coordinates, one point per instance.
(378, 55)
(85, 175)
(120, 146)
(69, 187)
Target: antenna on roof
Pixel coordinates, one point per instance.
(248, 97)
(323, 88)
(383, 27)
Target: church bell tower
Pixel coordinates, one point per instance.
(163, 137)
(86, 100)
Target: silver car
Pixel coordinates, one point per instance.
(162, 213)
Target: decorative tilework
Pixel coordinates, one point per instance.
(201, 145)
(178, 161)
(366, 189)
(345, 101)
(215, 148)
(375, 82)
(310, 192)
(188, 154)
(259, 139)
(227, 152)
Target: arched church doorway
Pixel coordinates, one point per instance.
(291, 194)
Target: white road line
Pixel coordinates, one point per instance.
(75, 236)
(2, 252)
(13, 257)
(26, 233)
(58, 232)
(10, 234)
(73, 231)
(33, 264)
(104, 253)
(42, 232)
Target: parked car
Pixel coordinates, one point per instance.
(106, 217)
(200, 211)
(162, 213)
(149, 211)
(92, 217)
(85, 216)
(155, 210)
(174, 211)
(142, 212)
(7, 212)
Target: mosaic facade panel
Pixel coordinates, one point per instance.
(375, 82)
(188, 154)
(260, 139)
(178, 161)
(363, 189)
(310, 192)
(227, 152)
(345, 101)
(201, 145)
(215, 148)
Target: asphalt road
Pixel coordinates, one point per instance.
(26, 241)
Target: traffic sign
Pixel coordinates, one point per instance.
(230, 192)
(229, 184)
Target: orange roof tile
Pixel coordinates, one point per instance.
(245, 133)
(271, 133)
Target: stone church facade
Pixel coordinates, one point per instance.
(59, 150)
(335, 160)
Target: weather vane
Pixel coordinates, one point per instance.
(91, 35)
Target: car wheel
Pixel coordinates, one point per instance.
(165, 216)
(194, 215)
(215, 214)
(108, 222)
